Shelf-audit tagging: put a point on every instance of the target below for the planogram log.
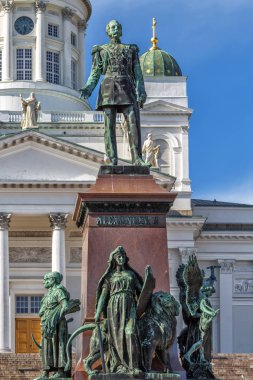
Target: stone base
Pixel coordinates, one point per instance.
(146, 376)
(58, 378)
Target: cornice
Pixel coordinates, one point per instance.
(185, 222)
(44, 185)
(226, 236)
(88, 7)
(52, 143)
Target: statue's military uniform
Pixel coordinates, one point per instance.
(120, 91)
(123, 81)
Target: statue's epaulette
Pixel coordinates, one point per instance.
(96, 48)
(134, 47)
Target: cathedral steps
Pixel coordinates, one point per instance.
(27, 366)
(233, 366)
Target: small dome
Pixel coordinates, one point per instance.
(157, 62)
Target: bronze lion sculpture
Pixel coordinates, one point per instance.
(157, 332)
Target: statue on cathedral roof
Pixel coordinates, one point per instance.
(121, 91)
(55, 305)
(151, 151)
(31, 108)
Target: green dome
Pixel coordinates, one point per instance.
(156, 62)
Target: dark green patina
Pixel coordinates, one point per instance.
(55, 305)
(121, 91)
(137, 323)
(195, 340)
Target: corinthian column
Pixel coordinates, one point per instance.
(4, 283)
(40, 8)
(58, 224)
(67, 14)
(7, 32)
(82, 25)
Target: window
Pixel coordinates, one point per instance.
(73, 39)
(24, 64)
(73, 74)
(28, 304)
(1, 65)
(53, 67)
(53, 30)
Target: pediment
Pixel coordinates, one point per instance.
(31, 157)
(37, 158)
(162, 106)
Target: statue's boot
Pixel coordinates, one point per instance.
(60, 374)
(139, 162)
(44, 376)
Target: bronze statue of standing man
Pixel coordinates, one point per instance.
(122, 90)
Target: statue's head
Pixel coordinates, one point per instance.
(118, 257)
(114, 29)
(32, 95)
(150, 136)
(52, 278)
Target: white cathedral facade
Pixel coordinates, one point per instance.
(42, 169)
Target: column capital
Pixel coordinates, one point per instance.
(67, 13)
(4, 221)
(58, 220)
(185, 253)
(7, 5)
(40, 6)
(82, 25)
(227, 266)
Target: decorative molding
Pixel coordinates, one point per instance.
(227, 266)
(4, 221)
(30, 255)
(75, 234)
(30, 234)
(40, 6)
(185, 253)
(75, 255)
(89, 8)
(239, 227)
(36, 185)
(58, 220)
(30, 136)
(82, 25)
(243, 286)
(7, 6)
(226, 236)
(67, 13)
(243, 267)
(185, 222)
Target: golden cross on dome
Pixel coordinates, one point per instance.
(154, 39)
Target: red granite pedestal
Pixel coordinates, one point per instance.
(125, 207)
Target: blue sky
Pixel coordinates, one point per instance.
(212, 40)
